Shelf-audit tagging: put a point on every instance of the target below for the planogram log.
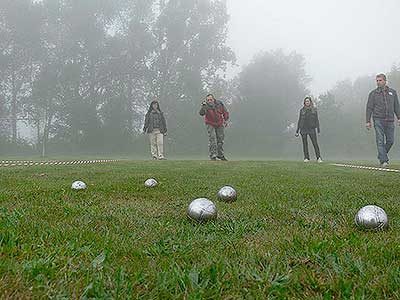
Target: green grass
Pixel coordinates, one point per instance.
(290, 235)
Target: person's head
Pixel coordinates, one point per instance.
(210, 99)
(381, 80)
(154, 105)
(308, 102)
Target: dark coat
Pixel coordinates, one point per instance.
(383, 104)
(148, 123)
(308, 120)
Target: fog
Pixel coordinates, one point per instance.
(77, 77)
(339, 39)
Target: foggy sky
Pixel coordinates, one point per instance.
(339, 38)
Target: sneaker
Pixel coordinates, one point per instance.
(306, 160)
(384, 164)
(154, 157)
(222, 158)
(162, 158)
(213, 158)
(320, 160)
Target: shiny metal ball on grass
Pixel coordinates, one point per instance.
(150, 182)
(227, 194)
(78, 185)
(371, 217)
(202, 209)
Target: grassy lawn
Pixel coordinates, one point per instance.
(290, 235)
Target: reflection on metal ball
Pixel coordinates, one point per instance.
(227, 194)
(150, 183)
(78, 185)
(202, 209)
(371, 217)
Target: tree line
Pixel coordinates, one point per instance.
(80, 75)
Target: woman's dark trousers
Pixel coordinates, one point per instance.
(313, 136)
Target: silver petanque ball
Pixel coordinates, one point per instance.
(371, 217)
(227, 194)
(150, 182)
(78, 185)
(202, 209)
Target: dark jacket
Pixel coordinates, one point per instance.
(214, 115)
(308, 120)
(383, 104)
(148, 123)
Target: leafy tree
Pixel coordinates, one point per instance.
(19, 48)
(271, 90)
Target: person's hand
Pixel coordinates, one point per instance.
(368, 125)
(296, 135)
(319, 132)
(165, 134)
(398, 122)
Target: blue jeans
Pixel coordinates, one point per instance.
(384, 131)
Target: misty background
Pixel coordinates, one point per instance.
(77, 76)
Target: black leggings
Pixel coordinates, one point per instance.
(314, 141)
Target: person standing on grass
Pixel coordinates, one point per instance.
(382, 105)
(215, 118)
(156, 127)
(308, 125)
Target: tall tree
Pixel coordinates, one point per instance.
(86, 71)
(20, 22)
(342, 115)
(191, 54)
(271, 89)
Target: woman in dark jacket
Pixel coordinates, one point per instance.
(156, 127)
(308, 125)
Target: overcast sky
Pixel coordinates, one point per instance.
(339, 38)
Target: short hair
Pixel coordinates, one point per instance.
(210, 95)
(381, 75)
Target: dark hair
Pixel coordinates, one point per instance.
(151, 106)
(308, 98)
(381, 75)
(211, 96)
